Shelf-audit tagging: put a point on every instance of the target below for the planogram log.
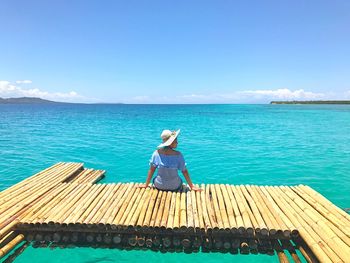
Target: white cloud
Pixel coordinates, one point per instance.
(8, 90)
(206, 98)
(347, 94)
(24, 82)
(245, 96)
(283, 94)
(251, 96)
(141, 99)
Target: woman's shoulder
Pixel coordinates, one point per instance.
(177, 152)
(171, 152)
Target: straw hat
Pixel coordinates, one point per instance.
(168, 137)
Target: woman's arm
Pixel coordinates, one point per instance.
(188, 179)
(149, 176)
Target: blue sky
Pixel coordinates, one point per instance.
(175, 51)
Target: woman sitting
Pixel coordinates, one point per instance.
(168, 161)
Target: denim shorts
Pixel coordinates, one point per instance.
(174, 190)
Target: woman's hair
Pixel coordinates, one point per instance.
(166, 147)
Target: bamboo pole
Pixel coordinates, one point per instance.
(141, 240)
(88, 209)
(222, 208)
(261, 227)
(76, 168)
(186, 243)
(282, 229)
(121, 215)
(250, 213)
(214, 201)
(107, 238)
(243, 211)
(131, 205)
(288, 227)
(235, 243)
(66, 204)
(16, 253)
(9, 246)
(147, 220)
(328, 211)
(160, 211)
(176, 223)
(7, 229)
(117, 239)
(86, 178)
(21, 199)
(118, 192)
(79, 177)
(29, 197)
(271, 223)
(190, 212)
(237, 215)
(46, 211)
(183, 214)
(325, 202)
(123, 194)
(146, 203)
(244, 247)
(166, 241)
(208, 204)
(7, 238)
(202, 210)
(197, 221)
(280, 253)
(321, 249)
(38, 206)
(156, 208)
(136, 209)
(230, 211)
(15, 196)
(18, 213)
(313, 220)
(167, 206)
(83, 204)
(306, 251)
(20, 185)
(170, 221)
(100, 208)
(149, 242)
(97, 176)
(286, 244)
(71, 205)
(327, 222)
(336, 218)
(58, 204)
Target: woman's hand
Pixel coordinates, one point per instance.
(196, 189)
(142, 186)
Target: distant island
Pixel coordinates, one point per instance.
(312, 102)
(27, 100)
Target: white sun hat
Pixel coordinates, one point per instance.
(168, 137)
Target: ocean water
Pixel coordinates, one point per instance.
(235, 144)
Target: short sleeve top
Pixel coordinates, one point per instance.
(168, 161)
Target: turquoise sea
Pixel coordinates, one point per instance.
(236, 144)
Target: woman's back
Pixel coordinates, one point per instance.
(168, 164)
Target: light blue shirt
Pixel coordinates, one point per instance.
(168, 165)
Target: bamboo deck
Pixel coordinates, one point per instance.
(63, 205)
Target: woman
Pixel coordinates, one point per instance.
(168, 161)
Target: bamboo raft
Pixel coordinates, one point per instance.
(63, 205)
